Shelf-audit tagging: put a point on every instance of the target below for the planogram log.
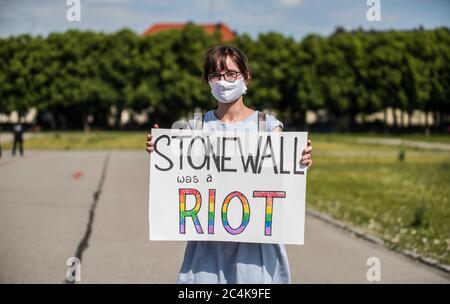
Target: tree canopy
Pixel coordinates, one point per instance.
(77, 74)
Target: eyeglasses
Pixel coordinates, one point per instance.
(229, 76)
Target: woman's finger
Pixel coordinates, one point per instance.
(305, 158)
(306, 153)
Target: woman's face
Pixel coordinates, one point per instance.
(228, 84)
(230, 67)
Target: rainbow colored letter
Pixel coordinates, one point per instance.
(193, 212)
(245, 213)
(269, 195)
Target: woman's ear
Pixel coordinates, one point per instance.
(249, 78)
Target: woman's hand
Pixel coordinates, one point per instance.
(149, 140)
(306, 159)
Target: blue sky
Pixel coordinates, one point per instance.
(295, 18)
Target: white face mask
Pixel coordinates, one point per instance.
(227, 92)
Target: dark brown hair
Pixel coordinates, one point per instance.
(215, 59)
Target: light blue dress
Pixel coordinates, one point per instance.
(231, 262)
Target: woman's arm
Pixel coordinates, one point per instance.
(306, 158)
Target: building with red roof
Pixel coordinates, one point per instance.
(209, 28)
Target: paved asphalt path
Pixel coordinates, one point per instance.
(55, 205)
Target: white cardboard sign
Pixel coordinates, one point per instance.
(237, 186)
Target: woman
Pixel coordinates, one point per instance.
(226, 70)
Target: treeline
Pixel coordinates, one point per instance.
(74, 76)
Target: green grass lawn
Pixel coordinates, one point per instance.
(97, 140)
(134, 140)
(405, 202)
(353, 137)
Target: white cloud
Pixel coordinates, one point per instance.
(290, 2)
(107, 1)
(216, 5)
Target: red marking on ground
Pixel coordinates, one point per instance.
(77, 174)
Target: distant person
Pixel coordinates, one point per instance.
(0, 142)
(18, 139)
